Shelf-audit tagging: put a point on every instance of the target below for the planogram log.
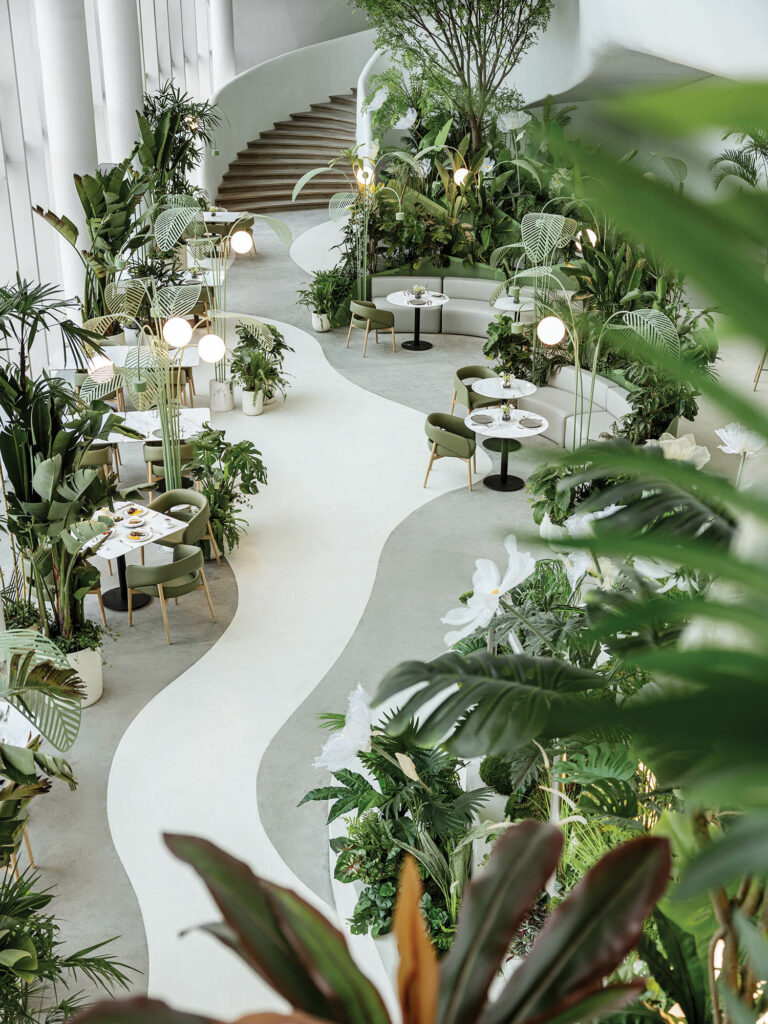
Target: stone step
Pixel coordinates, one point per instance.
(298, 134)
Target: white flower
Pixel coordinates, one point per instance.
(377, 101)
(488, 587)
(343, 746)
(665, 573)
(513, 120)
(408, 120)
(683, 448)
(425, 165)
(580, 523)
(487, 165)
(737, 440)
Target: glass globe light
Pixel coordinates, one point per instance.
(591, 238)
(364, 175)
(177, 332)
(460, 175)
(211, 348)
(551, 330)
(241, 242)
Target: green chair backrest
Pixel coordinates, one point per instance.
(453, 438)
(96, 457)
(463, 391)
(186, 560)
(197, 523)
(153, 452)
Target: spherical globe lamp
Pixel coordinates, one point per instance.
(241, 242)
(211, 348)
(177, 332)
(460, 175)
(551, 330)
(364, 174)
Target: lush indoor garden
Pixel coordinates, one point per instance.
(561, 815)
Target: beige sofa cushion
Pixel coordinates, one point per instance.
(555, 405)
(469, 288)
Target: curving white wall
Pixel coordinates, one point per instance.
(285, 85)
(593, 44)
(266, 28)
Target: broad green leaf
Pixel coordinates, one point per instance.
(742, 850)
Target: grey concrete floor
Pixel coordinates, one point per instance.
(70, 835)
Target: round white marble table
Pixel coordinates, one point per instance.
(507, 431)
(406, 298)
(515, 306)
(493, 387)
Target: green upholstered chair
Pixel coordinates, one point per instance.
(101, 456)
(463, 379)
(174, 579)
(153, 457)
(195, 513)
(365, 316)
(449, 438)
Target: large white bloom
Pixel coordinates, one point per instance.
(408, 120)
(488, 586)
(487, 165)
(580, 523)
(377, 101)
(663, 572)
(683, 448)
(737, 440)
(343, 746)
(513, 120)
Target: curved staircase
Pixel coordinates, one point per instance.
(262, 177)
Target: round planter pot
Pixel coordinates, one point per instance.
(253, 403)
(221, 397)
(131, 336)
(320, 322)
(549, 530)
(87, 664)
(116, 339)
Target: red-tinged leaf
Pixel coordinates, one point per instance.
(492, 910)
(283, 939)
(590, 933)
(580, 1009)
(417, 974)
(138, 1011)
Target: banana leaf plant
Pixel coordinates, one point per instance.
(117, 223)
(306, 960)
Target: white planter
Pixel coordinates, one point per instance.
(131, 336)
(115, 339)
(221, 397)
(320, 322)
(87, 664)
(253, 403)
(549, 530)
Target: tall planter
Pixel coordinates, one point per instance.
(87, 664)
(221, 397)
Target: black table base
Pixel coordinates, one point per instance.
(117, 598)
(161, 486)
(503, 481)
(415, 344)
(493, 444)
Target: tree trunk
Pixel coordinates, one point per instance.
(476, 137)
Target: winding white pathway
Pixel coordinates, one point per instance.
(345, 468)
(315, 249)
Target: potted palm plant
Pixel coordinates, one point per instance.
(327, 294)
(260, 377)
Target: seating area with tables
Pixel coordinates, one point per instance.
(383, 526)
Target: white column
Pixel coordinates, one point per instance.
(121, 68)
(69, 123)
(222, 42)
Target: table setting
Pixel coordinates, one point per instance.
(133, 526)
(147, 424)
(417, 298)
(508, 425)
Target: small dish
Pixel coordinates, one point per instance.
(133, 521)
(529, 422)
(481, 418)
(417, 302)
(138, 535)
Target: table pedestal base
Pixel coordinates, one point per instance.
(498, 483)
(161, 485)
(493, 444)
(115, 601)
(416, 345)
